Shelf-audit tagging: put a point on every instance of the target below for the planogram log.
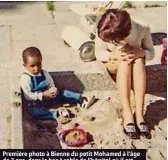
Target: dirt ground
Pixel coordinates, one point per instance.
(103, 123)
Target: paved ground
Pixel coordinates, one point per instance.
(27, 27)
(5, 103)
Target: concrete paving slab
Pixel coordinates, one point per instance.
(157, 58)
(16, 128)
(155, 17)
(5, 46)
(66, 18)
(31, 32)
(26, 13)
(64, 6)
(5, 118)
(4, 76)
(1, 41)
(16, 111)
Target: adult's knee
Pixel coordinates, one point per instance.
(125, 64)
(112, 67)
(139, 61)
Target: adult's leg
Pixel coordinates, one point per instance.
(139, 86)
(123, 70)
(124, 88)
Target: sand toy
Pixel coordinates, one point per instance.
(75, 137)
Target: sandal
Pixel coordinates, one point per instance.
(87, 102)
(144, 130)
(130, 131)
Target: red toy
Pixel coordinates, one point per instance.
(164, 52)
(77, 144)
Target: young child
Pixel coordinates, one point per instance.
(39, 89)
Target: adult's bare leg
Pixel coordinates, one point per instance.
(139, 86)
(123, 71)
(124, 88)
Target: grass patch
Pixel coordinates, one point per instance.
(151, 5)
(129, 4)
(50, 6)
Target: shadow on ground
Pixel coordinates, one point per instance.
(12, 4)
(156, 111)
(38, 134)
(8, 5)
(67, 80)
(157, 37)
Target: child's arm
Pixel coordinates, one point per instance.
(49, 79)
(25, 83)
(51, 86)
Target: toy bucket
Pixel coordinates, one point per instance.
(74, 144)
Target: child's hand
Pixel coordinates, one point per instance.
(46, 94)
(50, 93)
(53, 91)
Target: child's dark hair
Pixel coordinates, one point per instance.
(32, 52)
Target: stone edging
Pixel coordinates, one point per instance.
(16, 111)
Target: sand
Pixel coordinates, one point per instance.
(103, 123)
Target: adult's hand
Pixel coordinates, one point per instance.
(118, 55)
(132, 53)
(127, 53)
